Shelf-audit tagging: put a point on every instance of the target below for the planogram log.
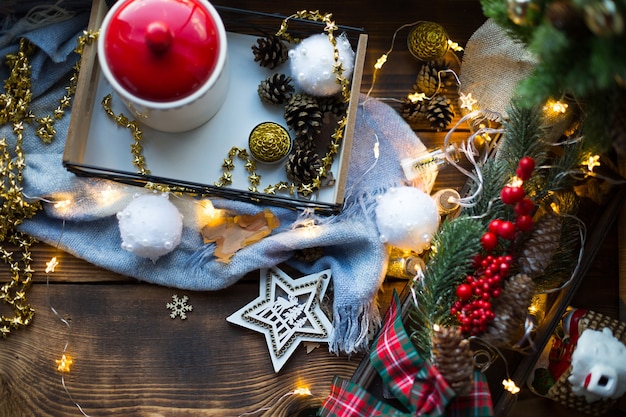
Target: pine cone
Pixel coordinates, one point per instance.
(270, 51)
(510, 309)
(453, 358)
(412, 111)
(541, 246)
(302, 166)
(439, 112)
(333, 104)
(304, 144)
(303, 115)
(432, 78)
(276, 89)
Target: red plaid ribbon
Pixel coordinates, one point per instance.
(417, 385)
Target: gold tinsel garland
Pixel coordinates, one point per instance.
(14, 109)
(305, 189)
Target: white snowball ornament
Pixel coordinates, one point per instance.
(150, 226)
(407, 218)
(312, 64)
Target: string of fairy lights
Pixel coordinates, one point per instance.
(16, 112)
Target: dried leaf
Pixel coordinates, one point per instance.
(231, 233)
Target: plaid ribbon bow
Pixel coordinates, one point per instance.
(415, 383)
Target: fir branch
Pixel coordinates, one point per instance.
(454, 248)
(495, 174)
(498, 11)
(523, 135)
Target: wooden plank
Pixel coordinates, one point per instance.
(130, 358)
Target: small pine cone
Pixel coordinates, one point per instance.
(439, 112)
(276, 89)
(412, 111)
(302, 166)
(510, 310)
(270, 51)
(453, 358)
(432, 78)
(541, 246)
(333, 104)
(303, 115)
(304, 144)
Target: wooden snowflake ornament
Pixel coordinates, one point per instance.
(179, 307)
(287, 311)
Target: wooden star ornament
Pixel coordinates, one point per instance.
(287, 311)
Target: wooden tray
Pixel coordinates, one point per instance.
(193, 160)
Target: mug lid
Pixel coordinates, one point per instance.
(161, 50)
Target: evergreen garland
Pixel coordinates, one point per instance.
(582, 59)
(458, 240)
(454, 247)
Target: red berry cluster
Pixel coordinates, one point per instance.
(473, 305)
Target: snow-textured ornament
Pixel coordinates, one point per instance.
(287, 311)
(150, 226)
(312, 64)
(407, 218)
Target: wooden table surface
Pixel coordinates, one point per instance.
(131, 359)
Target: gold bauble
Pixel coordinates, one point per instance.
(428, 41)
(269, 142)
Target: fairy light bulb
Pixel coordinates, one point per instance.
(51, 264)
(555, 106)
(510, 386)
(108, 195)
(404, 264)
(63, 364)
(302, 391)
(208, 213)
(62, 204)
(415, 97)
(428, 162)
(467, 101)
(380, 62)
(592, 162)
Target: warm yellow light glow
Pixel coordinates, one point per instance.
(415, 97)
(302, 391)
(454, 46)
(51, 264)
(510, 386)
(555, 208)
(63, 364)
(592, 162)
(516, 182)
(309, 229)
(380, 62)
(555, 106)
(209, 215)
(63, 204)
(467, 101)
(108, 195)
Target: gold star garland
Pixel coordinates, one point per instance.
(337, 136)
(139, 161)
(14, 109)
(305, 189)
